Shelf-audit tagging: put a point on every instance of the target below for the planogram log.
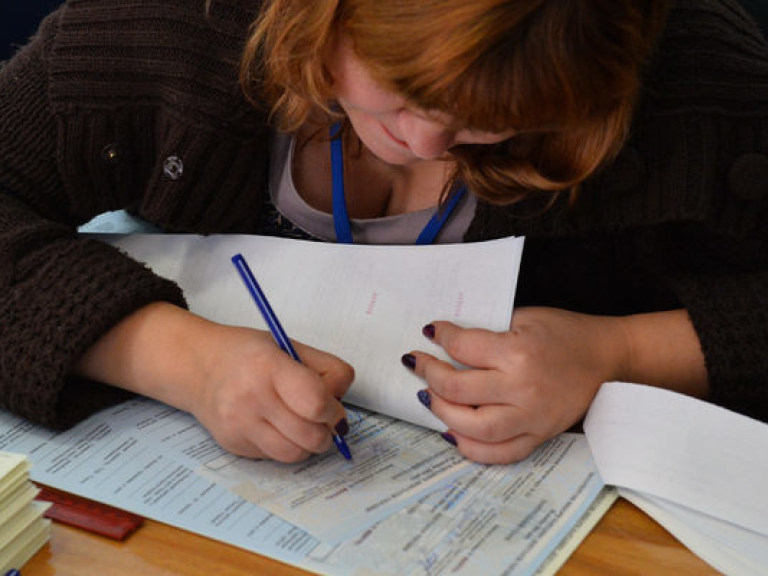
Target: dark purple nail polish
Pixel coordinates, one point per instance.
(409, 361)
(424, 398)
(429, 331)
(450, 438)
(342, 427)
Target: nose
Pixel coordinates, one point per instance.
(427, 139)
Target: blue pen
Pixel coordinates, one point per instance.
(13, 572)
(276, 329)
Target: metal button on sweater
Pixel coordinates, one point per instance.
(111, 153)
(173, 167)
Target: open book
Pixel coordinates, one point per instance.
(697, 469)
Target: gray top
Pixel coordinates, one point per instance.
(398, 229)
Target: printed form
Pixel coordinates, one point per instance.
(394, 465)
(142, 456)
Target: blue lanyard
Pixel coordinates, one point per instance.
(341, 216)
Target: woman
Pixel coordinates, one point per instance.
(626, 144)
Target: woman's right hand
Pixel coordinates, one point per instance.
(259, 402)
(253, 398)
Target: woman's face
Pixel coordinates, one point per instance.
(391, 129)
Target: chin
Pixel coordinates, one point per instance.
(393, 157)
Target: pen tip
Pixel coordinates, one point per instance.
(342, 446)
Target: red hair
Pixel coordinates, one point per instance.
(564, 75)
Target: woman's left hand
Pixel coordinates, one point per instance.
(520, 387)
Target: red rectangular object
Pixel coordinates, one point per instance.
(88, 514)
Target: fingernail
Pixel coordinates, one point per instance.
(342, 427)
(429, 331)
(409, 361)
(450, 438)
(424, 398)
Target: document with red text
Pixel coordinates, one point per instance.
(365, 304)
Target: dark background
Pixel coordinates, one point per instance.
(19, 20)
(759, 10)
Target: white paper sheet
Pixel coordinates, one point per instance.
(699, 469)
(366, 304)
(729, 548)
(681, 449)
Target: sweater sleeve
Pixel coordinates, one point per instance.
(60, 291)
(723, 283)
(711, 143)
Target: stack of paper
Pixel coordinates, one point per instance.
(23, 530)
(697, 468)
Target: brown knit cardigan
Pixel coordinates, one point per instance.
(124, 104)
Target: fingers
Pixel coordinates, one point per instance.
(489, 423)
(470, 346)
(468, 401)
(513, 450)
(293, 415)
(271, 444)
(477, 404)
(257, 401)
(336, 374)
(307, 395)
(267, 427)
(471, 387)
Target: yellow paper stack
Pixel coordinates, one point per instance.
(23, 530)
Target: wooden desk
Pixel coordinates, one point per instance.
(626, 541)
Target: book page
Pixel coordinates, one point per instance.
(725, 546)
(694, 467)
(683, 450)
(13, 471)
(33, 536)
(585, 524)
(16, 500)
(365, 304)
(13, 527)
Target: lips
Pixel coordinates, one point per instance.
(394, 138)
